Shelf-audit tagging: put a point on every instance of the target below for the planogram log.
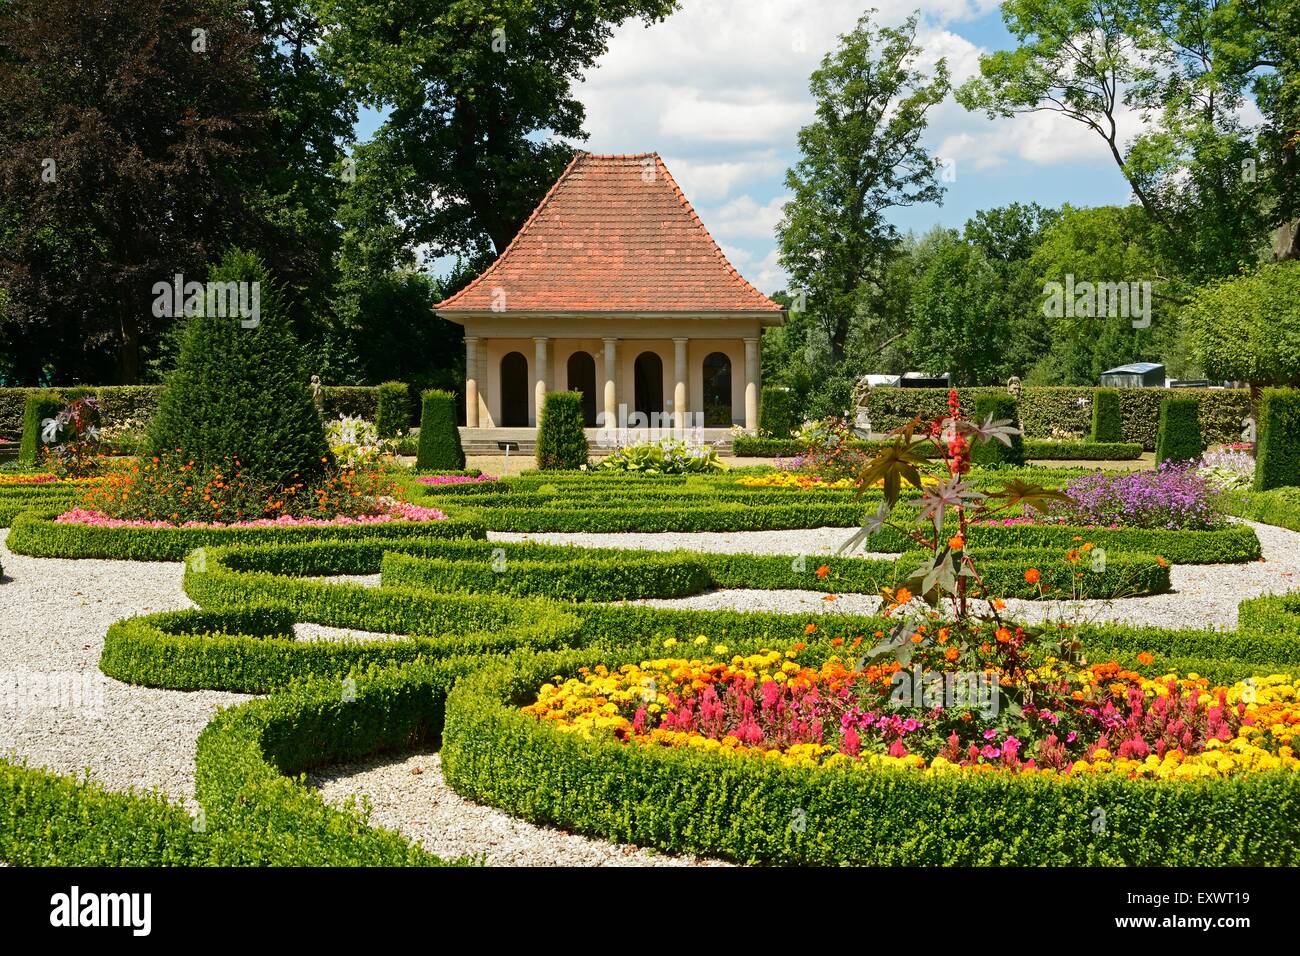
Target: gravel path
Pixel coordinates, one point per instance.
(410, 796)
(1203, 595)
(56, 708)
(808, 542)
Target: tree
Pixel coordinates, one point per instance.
(241, 392)
(955, 325)
(860, 159)
(481, 100)
(1107, 245)
(1247, 328)
(1088, 59)
(125, 126)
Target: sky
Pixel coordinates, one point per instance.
(720, 91)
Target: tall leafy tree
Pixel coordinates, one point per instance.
(480, 100)
(1089, 60)
(860, 159)
(124, 127)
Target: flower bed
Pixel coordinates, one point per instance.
(396, 511)
(453, 479)
(776, 706)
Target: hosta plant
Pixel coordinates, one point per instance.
(667, 456)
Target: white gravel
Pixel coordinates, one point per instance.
(410, 796)
(819, 541)
(57, 709)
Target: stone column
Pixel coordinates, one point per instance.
(471, 381)
(680, 390)
(753, 384)
(539, 377)
(611, 383)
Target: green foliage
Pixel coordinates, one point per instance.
(1246, 328)
(1107, 419)
(1280, 507)
(778, 412)
(561, 440)
(997, 408)
(1278, 458)
(440, 446)
(1179, 435)
(668, 456)
(683, 800)
(835, 236)
(39, 406)
(242, 393)
(36, 533)
(393, 410)
(1035, 448)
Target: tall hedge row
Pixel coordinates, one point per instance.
(140, 402)
(393, 409)
(1070, 408)
(1278, 460)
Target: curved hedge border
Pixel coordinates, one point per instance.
(688, 801)
(37, 534)
(17, 499)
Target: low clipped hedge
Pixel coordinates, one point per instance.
(44, 821)
(1280, 507)
(37, 534)
(688, 801)
(1034, 448)
(17, 499)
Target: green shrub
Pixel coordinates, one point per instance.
(1107, 417)
(1277, 462)
(693, 801)
(393, 412)
(561, 441)
(1035, 448)
(242, 393)
(439, 447)
(999, 408)
(1280, 507)
(1179, 437)
(778, 413)
(39, 407)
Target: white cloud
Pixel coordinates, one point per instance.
(743, 218)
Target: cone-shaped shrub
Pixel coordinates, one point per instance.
(778, 413)
(1002, 408)
(1277, 463)
(38, 408)
(439, 448)
(1107, 419)
(561, 442)
(1179, 435)
(240, 390)
(393, 409)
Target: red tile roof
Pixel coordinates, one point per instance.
(614, 234)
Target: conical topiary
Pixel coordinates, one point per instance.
(239, 390)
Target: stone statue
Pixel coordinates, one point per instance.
(318, 394)
(1013, 387)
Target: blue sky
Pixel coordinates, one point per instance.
(720, 90)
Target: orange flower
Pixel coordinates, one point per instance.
(902, 596)
(1146, 657)
(837, 642)
(916, 638)
(951, 653)
(956, 542)
(1033, 576)
(809, 628)
(823, 571)
(999, 604)
(829, 597)
(1162, 562)
(1003, 635)
(943, 636)
(1072, 556)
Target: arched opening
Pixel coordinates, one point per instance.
(582, 378)
(649, 383)
(717, 391)
(514, 391)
